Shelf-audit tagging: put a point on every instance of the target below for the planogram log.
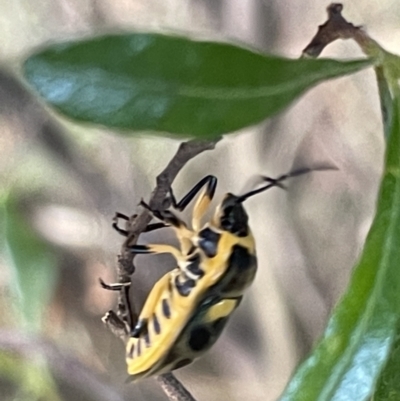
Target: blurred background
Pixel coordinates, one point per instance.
(61, 183)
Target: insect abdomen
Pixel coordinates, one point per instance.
(200, 333)
(145, 352)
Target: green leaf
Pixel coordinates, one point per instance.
(33, 263)
(388, 387)
(385, 98)
(162, 83)
(358, 340)
(387, 70)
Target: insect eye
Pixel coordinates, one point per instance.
(227, 211)
(227, 221)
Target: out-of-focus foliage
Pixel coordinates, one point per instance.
(171, 84)
(33, 379)
(34, 266)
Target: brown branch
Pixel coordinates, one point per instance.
(174, 388)
(135, 226)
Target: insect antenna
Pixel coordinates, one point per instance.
(277, 182)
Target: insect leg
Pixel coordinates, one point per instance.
(114, 286)
(154, 226)
(180, 257)
(204, 200)
(125, 233)
(156, 248)
(166, 216)
(210, 181)
(126, 307)
(170, 219)
(115, 223)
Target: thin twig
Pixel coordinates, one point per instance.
(135, 226)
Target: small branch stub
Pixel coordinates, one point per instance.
(337, 27)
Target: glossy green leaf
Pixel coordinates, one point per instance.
(388, 387)
(171, 84)
(387, 70)
(357, 342)
(33, 263)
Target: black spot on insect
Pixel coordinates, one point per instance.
(208, 242)
(139, 348)
(147, 339)
(185, 287)
(166, 309)
(156, 324)
(194, 266)
(131, 351)
(182, 363)
(199, 338)
(241, 258)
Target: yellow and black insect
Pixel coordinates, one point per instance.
(187, 309)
